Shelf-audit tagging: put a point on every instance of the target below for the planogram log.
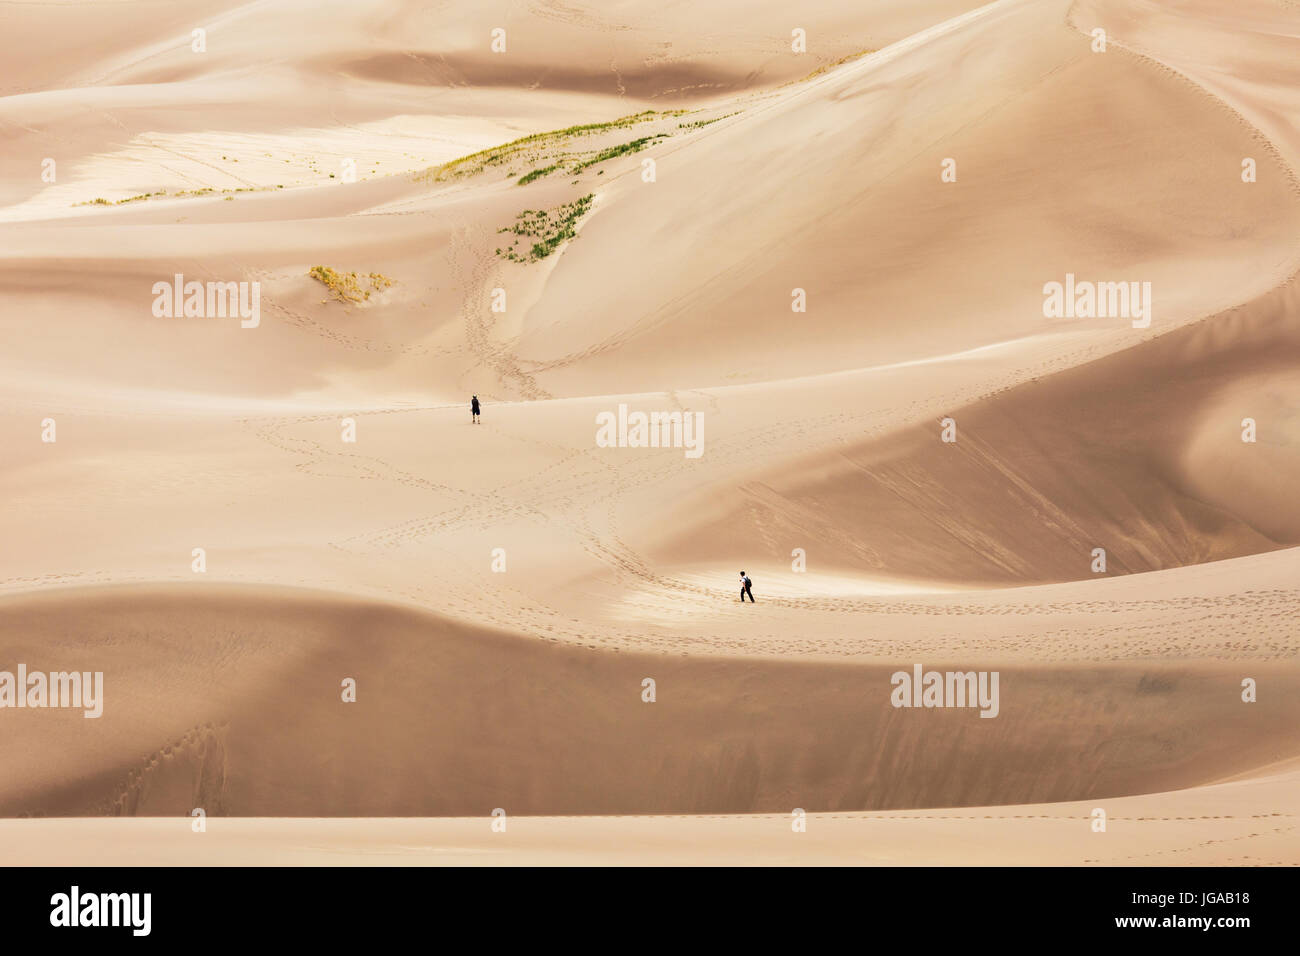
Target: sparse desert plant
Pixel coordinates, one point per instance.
(622, 149)
(527, 178)
(347, 286)
(536, 143)
(830, 66)
(550, 231)
(100, 201)
(180, 193)
(705, 122)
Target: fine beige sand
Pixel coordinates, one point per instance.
(1220, 825)
(499, 592)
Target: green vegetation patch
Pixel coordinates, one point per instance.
(551, 229)
(527, 178)
(699, 123)
(534, 146)
(635, 146)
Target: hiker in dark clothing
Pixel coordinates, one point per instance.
(745, 585)
(474, 409)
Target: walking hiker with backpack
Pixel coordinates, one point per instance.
(745, 585)
(474, 409)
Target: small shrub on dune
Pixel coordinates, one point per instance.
(348, 286)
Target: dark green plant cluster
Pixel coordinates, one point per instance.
(698, 123)
(623, 149)
(527, 178)
(550, 229)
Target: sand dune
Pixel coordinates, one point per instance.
(1140, 453)
(500, 591)
(1038, 195)
(1246, 823)
(249, 714)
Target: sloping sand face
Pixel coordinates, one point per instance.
(837, 259)
(250, 689)
(1241, 823)
(1140, 453)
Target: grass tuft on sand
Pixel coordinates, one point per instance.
(347, 286)
(550, 229)
(533, 146)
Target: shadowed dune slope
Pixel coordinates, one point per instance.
(630, 48)
(229, 699)
(1140, 453)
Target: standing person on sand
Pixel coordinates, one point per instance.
(745, 584)
(474, 408)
